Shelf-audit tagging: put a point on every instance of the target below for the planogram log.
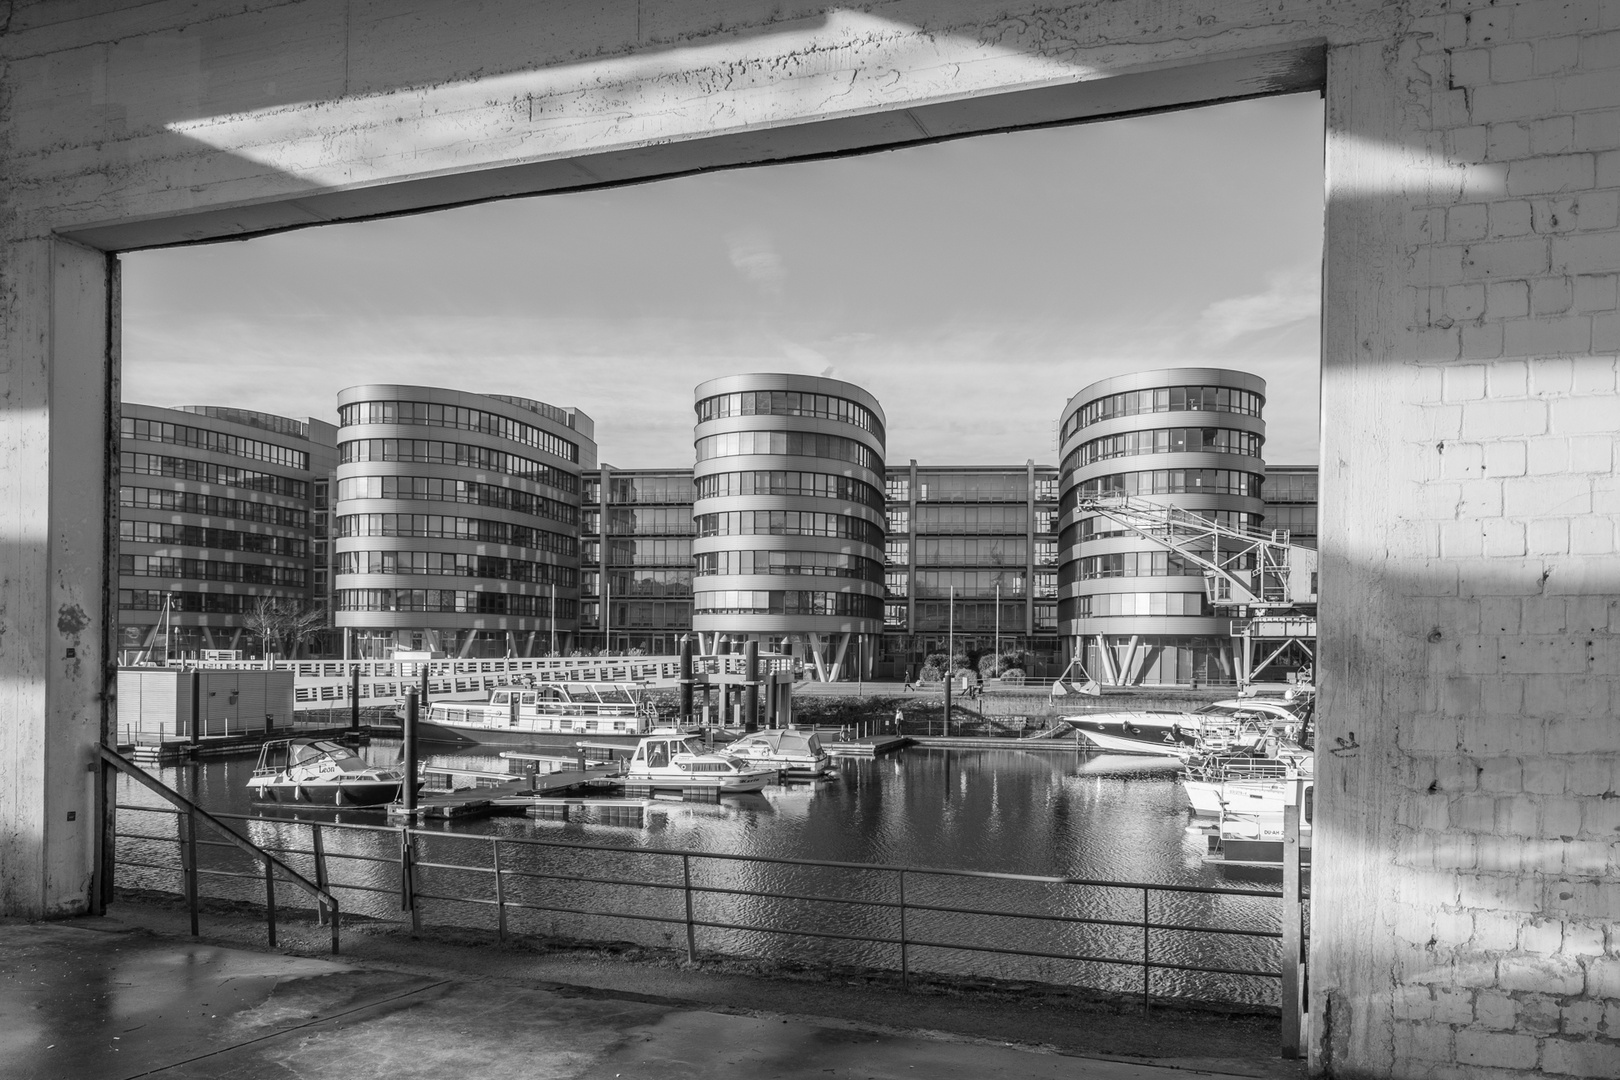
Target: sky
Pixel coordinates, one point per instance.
(973, 286)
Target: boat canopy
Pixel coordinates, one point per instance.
(784, 741)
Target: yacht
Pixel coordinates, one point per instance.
(320, 773)
(672, 760)
(797, 754)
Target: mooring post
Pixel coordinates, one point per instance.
(196, 707)
(354, 699)
(686, 679)
(751, 686)
(407, 790)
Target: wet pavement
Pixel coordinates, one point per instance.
(108, 999)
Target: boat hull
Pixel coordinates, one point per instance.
(1131, 744)
(354, 793)
(739, 785)
(456, 735)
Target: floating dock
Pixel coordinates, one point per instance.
(870, 746)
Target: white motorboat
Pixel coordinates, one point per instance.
(1141, 731)
(320, 773)
(794, 753)
(672, 760)
(545, 714)
(1256, 840)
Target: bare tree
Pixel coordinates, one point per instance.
(284, 623)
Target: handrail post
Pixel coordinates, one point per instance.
(691, 931)
(270, 899)
(1292, 927)
(500, 890)
(407, 887)
(905, 961)
(1146, 971)
(318, 845)
(188, 855)
(101, 887)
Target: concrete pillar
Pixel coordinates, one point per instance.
(54, 536)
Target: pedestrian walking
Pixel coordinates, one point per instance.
(908, 685)
(898, 716)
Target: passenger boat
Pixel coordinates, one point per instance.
(797, 754)
(672, 760)
(546, 714)
(320, 773)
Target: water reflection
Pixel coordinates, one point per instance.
(1056, 813)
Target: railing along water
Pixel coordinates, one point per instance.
(187, 816)
(900, 916)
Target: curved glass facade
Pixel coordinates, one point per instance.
(501, 576)
(789, 484)
(1135, 612)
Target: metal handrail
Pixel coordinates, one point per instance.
(326, 903)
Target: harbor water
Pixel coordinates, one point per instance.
(1056, 813)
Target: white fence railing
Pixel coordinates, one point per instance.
(324, 684)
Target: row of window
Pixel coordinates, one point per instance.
(787, 602)
(1291, 487)
(789, 444)
(624, 551)
(639, 615)
(1165, 441)
(190, 502)
(291, 577)
(642, 520)
(439, 489)
(789, 523)
(1145, 564)
(434, 452)
(1165, 399)
(815, 563)
(971, 487)
(457, 528)
(462, 601)
(673, 488)
(789, 403)
(1169, 482)
(456, 564)
(1105, 605)
(939, 584)
(638, 583)
(1097, 528)
(429, 414)
(163, 532)
(973, 519)
(217, 441)
(207, 472)
(207, 603)
(789, 482)
(979, 617)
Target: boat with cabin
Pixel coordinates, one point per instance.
(319, 772)
(544, 714)
(671, 760)
(793, 753)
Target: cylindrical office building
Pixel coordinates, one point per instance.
(457, 522)
(789, 514)
(1136, 612)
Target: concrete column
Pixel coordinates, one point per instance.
(56, 381)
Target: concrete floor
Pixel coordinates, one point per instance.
(112, 999)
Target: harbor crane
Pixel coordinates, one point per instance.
(1266, 584)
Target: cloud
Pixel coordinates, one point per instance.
(1290, 296)
(755, 257)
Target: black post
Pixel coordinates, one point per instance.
(354, 699)
(407, 791)
(948, 677)
(426, 667)
(196, 707)
(686, 679)
(751, 690)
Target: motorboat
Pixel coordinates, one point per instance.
(321, 773)
(673, 760)
(1143, 731)
(1251, 837)
(1248, 755)
(793, 753)
(544, 714)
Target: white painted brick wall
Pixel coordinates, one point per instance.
(1508, 950)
